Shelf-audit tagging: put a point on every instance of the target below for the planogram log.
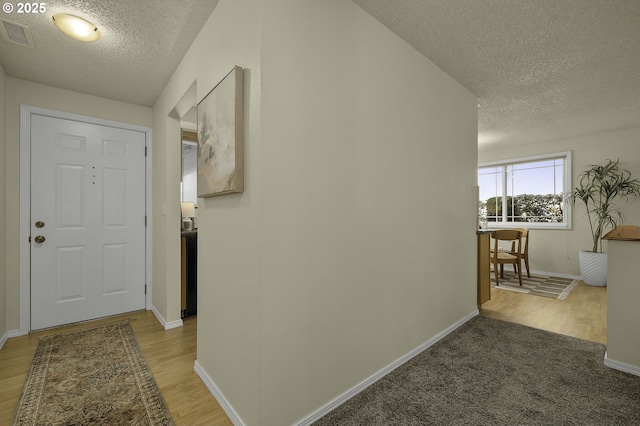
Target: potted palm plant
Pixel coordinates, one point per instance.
(599, 187)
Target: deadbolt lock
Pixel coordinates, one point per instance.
(39, 224)
(39, 239)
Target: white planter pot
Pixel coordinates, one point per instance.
(593, 268)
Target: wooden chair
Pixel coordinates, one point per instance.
(500, 257)
(524, 234)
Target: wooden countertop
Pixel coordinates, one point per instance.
(623, 233)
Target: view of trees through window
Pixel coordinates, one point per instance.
(525, 208)
(529, 191)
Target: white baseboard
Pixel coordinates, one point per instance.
(631, 369)
(4, 339)
(217, 394)
(556, 274)
(173, 324)
(7, 335)
(166, 325)
(333, 404)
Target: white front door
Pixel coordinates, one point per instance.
(87, 221)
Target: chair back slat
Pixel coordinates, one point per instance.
(524, 235)
(509, 235)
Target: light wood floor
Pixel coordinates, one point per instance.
(582, 314)
(170, 354)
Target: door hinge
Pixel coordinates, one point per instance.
(145, 151)
(145, 289)
(145, 220)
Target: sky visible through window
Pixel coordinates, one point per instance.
(540, 177)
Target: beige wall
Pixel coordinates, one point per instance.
(557, 250)
(623, 297)
(368, 179)
(336, 260)
(3, 206)
(22, 92)
(228, 244)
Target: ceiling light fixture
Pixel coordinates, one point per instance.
(76, 28)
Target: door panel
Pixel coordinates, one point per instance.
(70, 273)
(114, 200)
(70, 196)
(88, 188)
(114, 260)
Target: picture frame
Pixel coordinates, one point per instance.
(220, 138)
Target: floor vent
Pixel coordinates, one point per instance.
(16, 33)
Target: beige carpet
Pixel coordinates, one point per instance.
(538, 285)
(97, 376)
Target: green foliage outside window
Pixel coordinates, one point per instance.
(525, 208)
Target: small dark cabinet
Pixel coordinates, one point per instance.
(189, 279)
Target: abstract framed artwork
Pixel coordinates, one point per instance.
(220, 156)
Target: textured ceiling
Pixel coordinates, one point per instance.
(542, 70)
(142, 43)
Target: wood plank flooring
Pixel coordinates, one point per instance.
(170, 355)
(582, 314)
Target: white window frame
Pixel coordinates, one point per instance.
(566, 185)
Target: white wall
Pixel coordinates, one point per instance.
(360, 168)
(557, 250)
(23, 92)
(3, 206)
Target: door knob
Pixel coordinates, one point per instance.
(39, 224)
(39, 239)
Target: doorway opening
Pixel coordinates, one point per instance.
(27, 223)
(581, 314)
(189, 227)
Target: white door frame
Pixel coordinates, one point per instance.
(25, 200)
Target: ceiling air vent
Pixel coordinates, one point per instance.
(16, 33)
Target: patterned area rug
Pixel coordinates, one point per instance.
(91, 377)
(538, 285)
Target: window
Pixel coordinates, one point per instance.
(527, 190)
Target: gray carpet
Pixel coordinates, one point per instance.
(491, 372)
